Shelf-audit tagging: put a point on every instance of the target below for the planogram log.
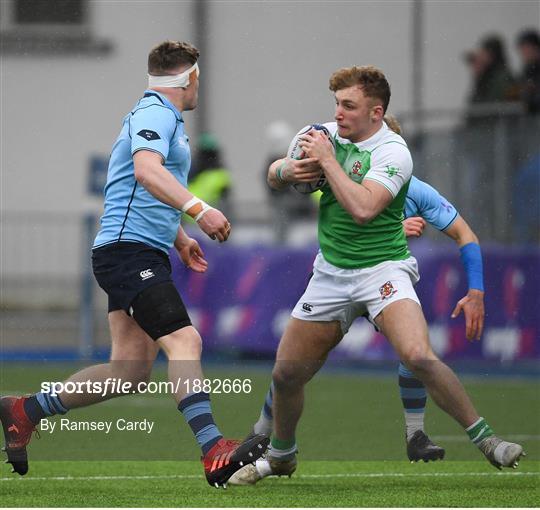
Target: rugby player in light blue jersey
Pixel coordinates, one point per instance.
(145, 195)
(424, 203)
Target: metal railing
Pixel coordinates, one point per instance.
(486, 161)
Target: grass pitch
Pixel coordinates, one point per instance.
(316, 484)
(352, 450)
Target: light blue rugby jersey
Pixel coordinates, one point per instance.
(131, 213)
(424, 200)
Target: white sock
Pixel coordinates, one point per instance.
(413, 422)
(287, 454)
(263, 467)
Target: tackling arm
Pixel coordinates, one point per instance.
(425, 201)
(471, 257)
(461, 233)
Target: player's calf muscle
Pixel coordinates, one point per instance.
(131, 370)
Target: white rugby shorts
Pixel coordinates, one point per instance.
(345, 294)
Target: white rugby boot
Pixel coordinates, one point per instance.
(262, 468)
(501, 453)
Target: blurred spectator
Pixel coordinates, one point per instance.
(287, 205)
(209, 179)
(528, 44)
(486, 123)
(526, 211)
(492, 79)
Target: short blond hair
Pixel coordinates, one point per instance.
(371, 80)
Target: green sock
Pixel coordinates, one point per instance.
(479, 430)
(283, 444)
(282, 449)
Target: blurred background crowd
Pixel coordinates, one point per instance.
(465, 86)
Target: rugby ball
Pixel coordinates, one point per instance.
(296, 152)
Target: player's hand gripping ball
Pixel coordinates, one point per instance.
(296, 152)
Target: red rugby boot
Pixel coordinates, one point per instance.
(17, 432)
(228, 456)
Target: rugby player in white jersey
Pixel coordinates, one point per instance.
(363, 267)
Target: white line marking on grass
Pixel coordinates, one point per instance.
(120, 477)
(465, 438)
(404, 475)
(335, 475)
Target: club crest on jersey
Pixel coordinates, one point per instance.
(392, 170)
(356, 168)
(387, 290)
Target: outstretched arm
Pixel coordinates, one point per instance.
(472, 304)
(425, 201)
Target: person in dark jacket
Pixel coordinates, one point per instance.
(493, 80)
(528, 44)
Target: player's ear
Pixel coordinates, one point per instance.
(377, 113)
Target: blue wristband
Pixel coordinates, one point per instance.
(471, 257)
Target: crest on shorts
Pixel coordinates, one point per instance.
(387, 290)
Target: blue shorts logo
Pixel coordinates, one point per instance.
(147, 273)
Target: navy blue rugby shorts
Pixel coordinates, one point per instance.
(125, 269)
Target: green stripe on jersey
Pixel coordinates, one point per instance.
(348, 245)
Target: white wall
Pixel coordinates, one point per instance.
(265, 61)
(272, 60)
(56, 111)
